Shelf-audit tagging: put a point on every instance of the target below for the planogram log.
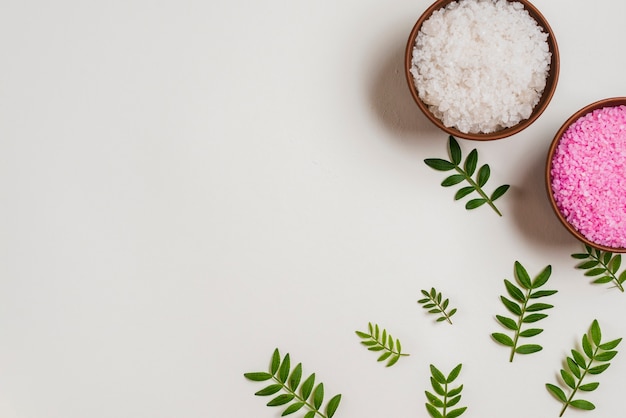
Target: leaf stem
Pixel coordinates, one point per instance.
(601, 261)
(519, 325)
(582, 376)
(477, 188)
(298, 397)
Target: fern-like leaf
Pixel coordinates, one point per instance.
(436, 304)
(374, 340)
(465, 172)
(296, 394)
(602, 265)
(520, 302)
(592, 361)
(440, 404)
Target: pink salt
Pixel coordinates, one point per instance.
(589, 176)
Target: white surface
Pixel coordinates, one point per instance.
(186, 185)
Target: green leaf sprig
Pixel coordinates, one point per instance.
(521, 305)
(375, 340)
(439, 406)
(465, 173)
(435, 304)
(298, 394)
(603, 264)
(592, 361)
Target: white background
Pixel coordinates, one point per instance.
(187, 185)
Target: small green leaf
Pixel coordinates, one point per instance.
(598, 369)
(615, 263)
(258, 376)
(606, 356)
(455, 150)
(595, 272)
(296, 375)
(332, 406)
(310, 414)
(596, 334)
(455, 391)
(470, 162)
(582, 404)
(588, 264)
(514, 291)
(384, 356)
(507, 322)
(499, 192)
(437, 387)
(511, 306)
(568, 379)
(318, 396)
(573, 367)
(534, 318)
(393, 360)
(295, 407)
(538, 307)
(434, 401)
(603, 279)
(542, 278)
(462, 192)
(283, 372)
(454, 373)
(530, 332)
(610, 345)
(580, 256)
(439, 164)
(589, 387)
(307, 387)
(362, 334)
(281, 399)
(475, 203)
(542, 294)
(434, 413)
(275, 362)
(270, 390)
(587, 346)
(606, 258)
(452, 400)
(483, 175)
(522, 275)
(456, 412)
(528, 349)
(579, 358)
(503, 339)
(439, 377)
(557, 391)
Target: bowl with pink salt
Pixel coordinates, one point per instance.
(482, 70)
(586, 174)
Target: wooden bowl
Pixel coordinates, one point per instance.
(611, 102)
(551, 81)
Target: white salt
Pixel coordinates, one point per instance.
(481, 65)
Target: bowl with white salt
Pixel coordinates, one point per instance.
(482, 69)
(586, 174)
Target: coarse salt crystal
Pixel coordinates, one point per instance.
(588, 176)
(481, 65)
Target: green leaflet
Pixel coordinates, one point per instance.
(435, 304)
(377, 340)
(440, 404)
(592, 361)
(519, 302)
(465, 173)
(297, 394)
(603, 266)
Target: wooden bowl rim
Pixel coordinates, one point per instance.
(546, 97)
(609, 102)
